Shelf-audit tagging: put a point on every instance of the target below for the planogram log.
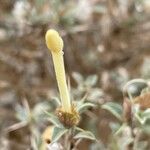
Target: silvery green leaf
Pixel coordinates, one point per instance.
(114, 108)
(95, 94)
(141, 120)
(38, 110)
(85, 134)
(78, 129)
(91, 80)
(120, 129)
(84, 106)
(36, 140)
(78, 77)
(143, 116)
(146, 113)
(22, 113)
(58, 133)
(56, 100)
(146, 129)
(115, 127)
(53, 119)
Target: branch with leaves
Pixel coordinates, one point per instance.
(134, 115)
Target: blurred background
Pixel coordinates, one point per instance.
(106, 41)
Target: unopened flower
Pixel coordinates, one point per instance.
(55, 44)
(67, 113)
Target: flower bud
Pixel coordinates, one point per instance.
(55, 44)
(53, 41)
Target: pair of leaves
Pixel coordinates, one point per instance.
(82, 134)
(89, 81)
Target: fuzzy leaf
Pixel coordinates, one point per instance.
(54, 120)
(56, 100)
(91, 80)
(141, 120)
(85, 134)
(142, 117)
(78, 77)
(58, 133)
(38, 112)
(22, 113)
(146, 113)
(82, 107)
(95, 94)
(114, 108)
(120, 129)
(78, 129)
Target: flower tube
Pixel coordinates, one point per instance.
(55, 44)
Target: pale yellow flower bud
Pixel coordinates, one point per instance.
(53, 41)
(55, 44)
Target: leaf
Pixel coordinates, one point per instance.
(114, 126)
(114, 108)
(91, 80)
(146, 129)
(38, 112)
(22, 113)
(56, 100)
(146, 113)
(120, 129)
(85, 134)
(82, 107)
(79, 129)
(58, 133)
(141, 120)
(143, 116)
(78, 77)
(95, 94)
(53, 119)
